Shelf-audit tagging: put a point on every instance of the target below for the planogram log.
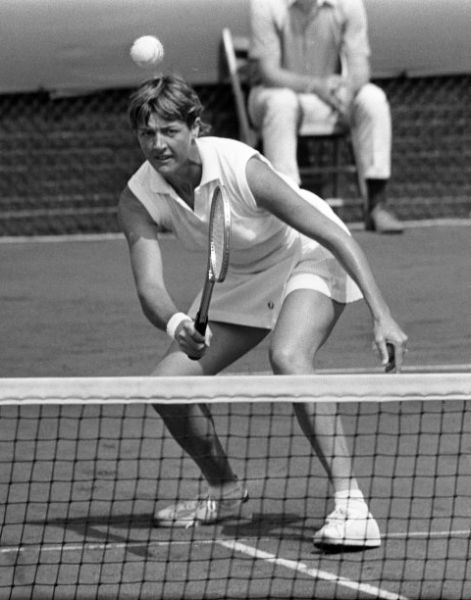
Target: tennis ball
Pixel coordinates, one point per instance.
(147, 51)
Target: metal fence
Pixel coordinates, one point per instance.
(64, 161)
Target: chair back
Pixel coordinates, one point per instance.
(236, 53)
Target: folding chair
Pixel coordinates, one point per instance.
(236, 54)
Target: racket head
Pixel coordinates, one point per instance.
(219, 238)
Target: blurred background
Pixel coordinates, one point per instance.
(65, 78)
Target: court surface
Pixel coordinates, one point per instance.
(69, 309)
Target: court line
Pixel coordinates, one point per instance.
(428, 534)
(243, 548)
(422, 223)
(311, 572)
(44, 547)
(440, 368)
(232, 545)
(55, 239)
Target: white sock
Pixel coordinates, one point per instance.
(227, 490)
(351, 501)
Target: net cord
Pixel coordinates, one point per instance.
(372, 387)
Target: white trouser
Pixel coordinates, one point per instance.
(280, 113)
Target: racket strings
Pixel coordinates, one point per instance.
(218, 241)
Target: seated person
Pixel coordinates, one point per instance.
(299, 47)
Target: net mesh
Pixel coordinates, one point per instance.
(85, 463)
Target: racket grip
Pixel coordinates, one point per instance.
(391, 364)
(201, 324)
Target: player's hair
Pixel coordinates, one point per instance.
(171, 98)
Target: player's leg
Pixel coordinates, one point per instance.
(294, 345)
(192, 427)
(228, 343)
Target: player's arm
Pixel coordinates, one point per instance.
(276, 196)
(146, 262)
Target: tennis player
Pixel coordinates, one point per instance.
(293, 268)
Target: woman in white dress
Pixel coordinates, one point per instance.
(293, 268)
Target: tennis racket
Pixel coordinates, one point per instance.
(218, 253)
(391, 364)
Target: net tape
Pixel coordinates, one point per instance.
(374, 387)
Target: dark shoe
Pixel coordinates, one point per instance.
(383, 221)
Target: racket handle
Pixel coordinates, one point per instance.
(201, 324)
(391, 364)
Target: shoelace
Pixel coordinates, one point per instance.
(339, 514)
(210, 505)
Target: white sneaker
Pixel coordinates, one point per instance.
(203, 511)
(344, 528)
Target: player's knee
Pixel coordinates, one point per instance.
(286, 360)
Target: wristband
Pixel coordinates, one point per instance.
(174, 322)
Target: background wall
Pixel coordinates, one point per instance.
(65, 154)
(80, 45)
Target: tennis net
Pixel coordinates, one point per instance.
(85, 463)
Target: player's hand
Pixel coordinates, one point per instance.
(390, 343)
(190, 341)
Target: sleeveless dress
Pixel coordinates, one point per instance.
(268, 258)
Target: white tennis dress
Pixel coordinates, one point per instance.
(268, 258)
